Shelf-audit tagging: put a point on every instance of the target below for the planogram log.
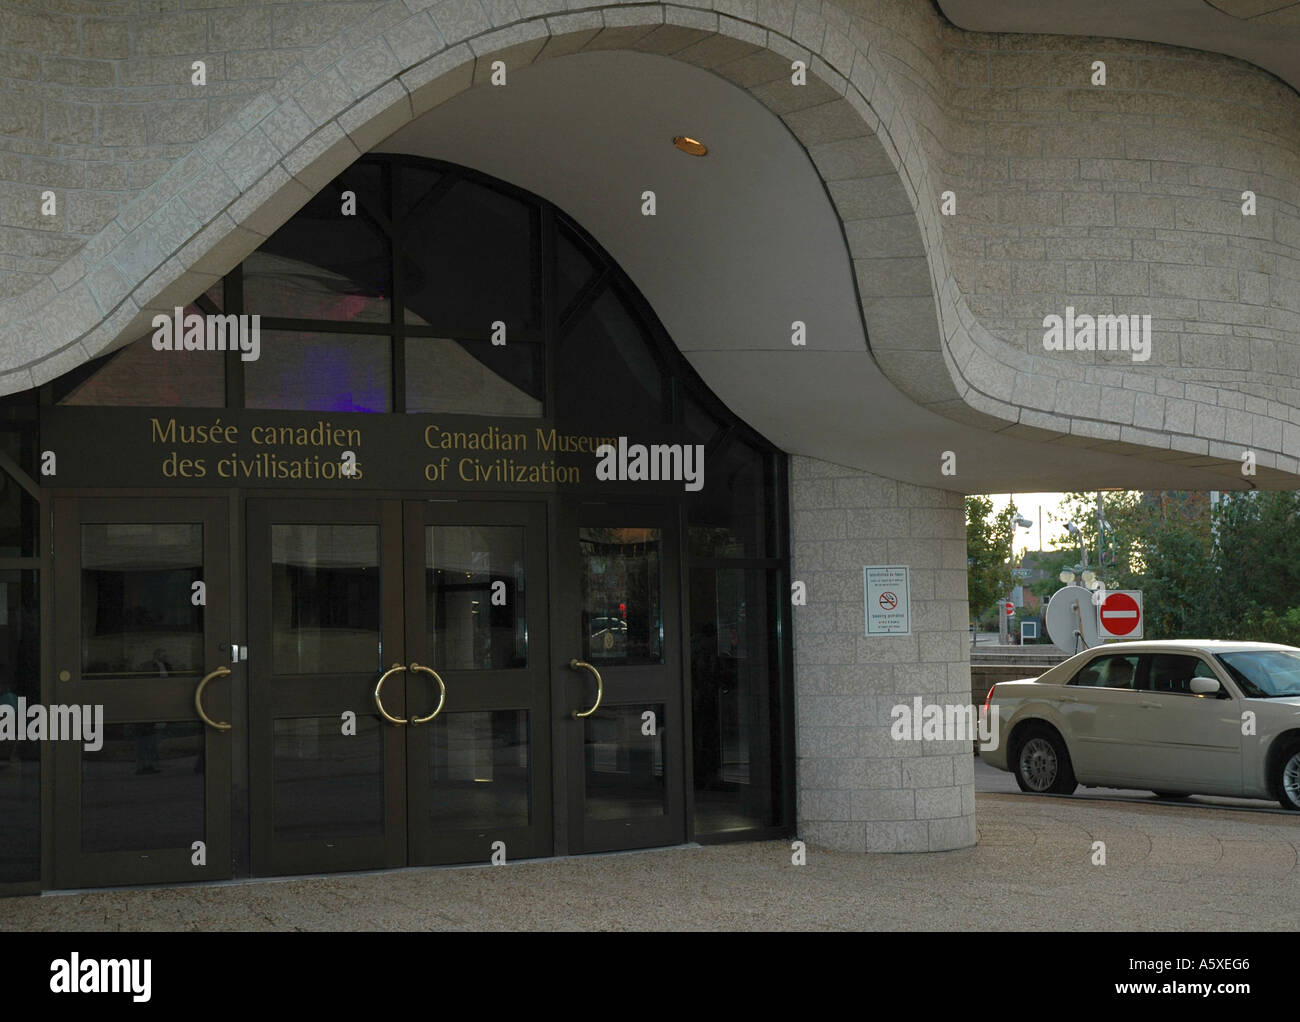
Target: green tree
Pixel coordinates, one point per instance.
(988, 553)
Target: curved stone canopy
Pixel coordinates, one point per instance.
(1064, 196)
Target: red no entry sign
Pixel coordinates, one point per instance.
(1120, 615)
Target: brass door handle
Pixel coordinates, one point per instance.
(220, 672)
(442, 699)
(379, 702)
(577, 665)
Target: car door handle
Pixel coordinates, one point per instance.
(1069, 699)
(1149, 706)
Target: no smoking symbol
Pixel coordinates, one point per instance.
(888, 600)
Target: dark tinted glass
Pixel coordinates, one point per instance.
(468, 261)
(139, 376)
(20, 760)
(20, 512)
(320, 372)
(328, 784)
(325, 598)
(734, 699)
(1108, 672)
(733, 516)
(624, 756)
(476, 596)
(1168, 672)
(606, 372)
(138, 618)
(323, 264)
(622, 599)
(479, 769)
(473, 377)
(144, 788)
(574, 268)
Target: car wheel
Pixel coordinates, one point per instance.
(1042, 764)
(1172, 796)
(1286, 778)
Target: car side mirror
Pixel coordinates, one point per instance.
(1205, 686)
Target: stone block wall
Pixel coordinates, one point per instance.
(859, 789)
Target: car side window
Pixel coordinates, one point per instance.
(1107, 672)
(1173, 672)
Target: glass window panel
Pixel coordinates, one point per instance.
(417, 183)
(480, 770)
(606, 371)
(20, 512)
(699, 422)
(216, 294)
(320, 372)
(474, 377)
(137, 616)
(138, 376)
(622, 605)
(476, 593)
(328, 784)
(324, 598)
(323, 265)
(469, 260)
(573, 269)
(144, 788)
(20, 760)
(733, 515)
(734, 699)
(624, 767)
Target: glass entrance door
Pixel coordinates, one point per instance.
(398, 683)
(619, 679)
(478, 645)
(327, 787)
(142, 595)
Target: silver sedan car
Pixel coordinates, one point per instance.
(1178, 718)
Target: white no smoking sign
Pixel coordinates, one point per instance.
(887, 593)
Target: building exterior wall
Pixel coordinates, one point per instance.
(1124, 198)
(859, 788)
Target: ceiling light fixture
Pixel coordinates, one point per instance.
(690, 146)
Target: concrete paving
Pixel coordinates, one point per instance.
(1167, 868)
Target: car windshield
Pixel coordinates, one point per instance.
(1265, 674)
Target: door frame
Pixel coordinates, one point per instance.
(270, 699)
(623, 685)
(480, 690)
(71, 867)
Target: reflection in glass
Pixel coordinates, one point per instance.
(20, 512)
(625, 766)
(733, 515)
(479, 770)
(20, 760)
(328, 784)
(606, 371)
(324, 598)
(138, 376)
(622, 609)
(322, 264)
(573, 269)
(321, 372)
(469, 261)
(733, 699)
(137, 615)
(473, 377)
(144, 788)
(476, 597)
